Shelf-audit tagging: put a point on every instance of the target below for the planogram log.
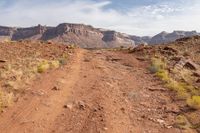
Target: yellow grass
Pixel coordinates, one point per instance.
(194, 102)
(42, 67)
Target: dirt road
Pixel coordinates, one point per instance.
(97, 91)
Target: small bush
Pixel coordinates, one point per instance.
(6, 99)
(71, 46)
(182, 122)
(44, 66)
(54, 64)
(63, 61)
(180, 88)
(194, 102)
(159, 62)
(153, 69)
(12, 85)
(156, 65)
(163, 74)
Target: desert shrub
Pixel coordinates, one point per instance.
(6, 99)
(42, 67)
(182, 94)
(182, 122)
(71, 46)
(156, 65)
(63, 61)
(163, 74)
(159, 62)
(180, 89)
(192, 90)
(11, 84)
(194, 102)
(54, 64)
(153, 69)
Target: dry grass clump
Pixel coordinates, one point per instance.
(54, 64)
(46, 65)
(182, 122)
(164, 75)
(179, 88)
(184, 90)
(194, 102)
(6, 99)
(156, 65)
(20, 67)
(43, 66)
(71, 46)
(63, 59)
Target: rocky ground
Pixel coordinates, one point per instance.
(96, 91)
(181, 59)
(24, 61)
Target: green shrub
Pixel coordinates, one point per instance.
(194, 102)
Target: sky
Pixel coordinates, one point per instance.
(136, 17)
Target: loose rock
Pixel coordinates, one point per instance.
(55, 88)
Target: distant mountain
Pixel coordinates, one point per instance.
(87, 36)
(83, 35)
(165, 37)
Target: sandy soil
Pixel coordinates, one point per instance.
(98, 91)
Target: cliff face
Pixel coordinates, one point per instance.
(83, 35)
(86, 36)
(165, 37)
(6, 31)
(32, 33)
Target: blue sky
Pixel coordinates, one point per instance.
(138, 17)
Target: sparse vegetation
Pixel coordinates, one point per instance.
(181, 74)
(6, 99)
(71, 46)
(63, 60)
(54, 64)
(22, 66)
(157, 65)
(179, 88)
(182, 122)
(46, 65)
(194, 102)
(42, 67)
(164, 75)
(183, 90)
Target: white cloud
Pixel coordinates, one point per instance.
(143, 20)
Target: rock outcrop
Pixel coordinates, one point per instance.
(165, 37)
(83, 35)
(87, 36)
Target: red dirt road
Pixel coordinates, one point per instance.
(97, 91)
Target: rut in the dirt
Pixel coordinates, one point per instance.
(99, 91)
